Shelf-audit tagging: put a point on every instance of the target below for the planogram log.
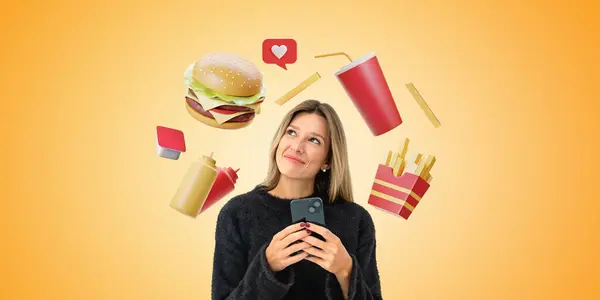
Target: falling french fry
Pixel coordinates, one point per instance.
(424, 106)
(299, 88)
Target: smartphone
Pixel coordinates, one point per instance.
(308, 210)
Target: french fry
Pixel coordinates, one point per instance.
(389, 159)
(418, 159)
(424, 106)
(429, 165)
(420, 168)
(411, 157)
(412, 162)
(428, 178)
(299, 88)
(404, 148)
(397, 161)
(425, 163)
(397, 165)
(402, 168)
(411, 167)
(394, 159)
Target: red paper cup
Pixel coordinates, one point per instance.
(366, 86)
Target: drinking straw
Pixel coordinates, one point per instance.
(334, 54)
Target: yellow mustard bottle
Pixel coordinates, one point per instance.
(196, 185)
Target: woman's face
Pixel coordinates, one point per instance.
(302, 151)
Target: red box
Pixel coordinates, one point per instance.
(398, 195)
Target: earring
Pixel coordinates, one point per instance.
(324, 170)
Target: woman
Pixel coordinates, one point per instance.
(255, 239)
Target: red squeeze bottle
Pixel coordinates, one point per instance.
(224, 184)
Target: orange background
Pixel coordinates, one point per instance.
(512, 213)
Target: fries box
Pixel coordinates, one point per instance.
(398, 195)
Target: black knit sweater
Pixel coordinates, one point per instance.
(245, 226)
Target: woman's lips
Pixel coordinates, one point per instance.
(294, 159)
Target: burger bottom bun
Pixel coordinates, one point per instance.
(213, 123)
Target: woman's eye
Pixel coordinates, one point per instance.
(315, 140)
(291, 132)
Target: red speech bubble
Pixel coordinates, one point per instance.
(280, 52)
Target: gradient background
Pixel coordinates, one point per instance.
(512, 213)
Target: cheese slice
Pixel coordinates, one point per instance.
(222, 118)
(208, 103)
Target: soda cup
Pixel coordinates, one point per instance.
(365, 84)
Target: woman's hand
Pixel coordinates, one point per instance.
(332, 255)
(279, 254)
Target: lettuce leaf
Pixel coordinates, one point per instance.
(198, 88)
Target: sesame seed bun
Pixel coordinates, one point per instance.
(228, 74)
(213, 123)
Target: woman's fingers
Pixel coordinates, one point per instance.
(292, 237)
(319, 261)
(324, 232)
(317, 252)
(296, 247)
(294, 259)
(287, 231)
(315, 241)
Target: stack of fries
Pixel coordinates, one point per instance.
(401, 183)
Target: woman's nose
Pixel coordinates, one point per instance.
(298, 145)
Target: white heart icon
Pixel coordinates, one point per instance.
(279, 51)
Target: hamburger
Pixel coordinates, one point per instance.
(224, 90)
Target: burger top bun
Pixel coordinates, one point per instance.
(228, 74)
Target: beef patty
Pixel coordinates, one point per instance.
(241, 118)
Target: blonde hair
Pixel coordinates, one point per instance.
(336, 182)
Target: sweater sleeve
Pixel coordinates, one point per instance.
(364, 277)
(235, 275)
